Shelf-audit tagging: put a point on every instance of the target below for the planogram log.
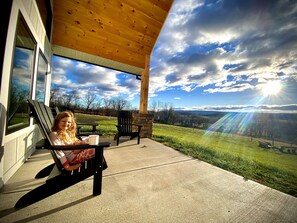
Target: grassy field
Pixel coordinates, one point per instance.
(234, 153)
(106, 124)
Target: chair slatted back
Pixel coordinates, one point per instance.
(125, 120)
(45, 119)
(55, 111)
(43, 116)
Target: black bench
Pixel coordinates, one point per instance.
(59, 178)
(80, 126)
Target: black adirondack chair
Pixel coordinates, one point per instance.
(126, 127)
(59, 178)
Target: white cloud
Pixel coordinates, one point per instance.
(78, 77)
(288, 108)
(225, 46)
(233, 88)
(257, 39)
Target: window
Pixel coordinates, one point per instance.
(41, 74)
(21, 78)
(45, 10)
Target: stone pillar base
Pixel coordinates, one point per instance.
(146, 120)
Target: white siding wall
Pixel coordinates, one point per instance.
(19, 145)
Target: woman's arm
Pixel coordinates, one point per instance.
(60, 154)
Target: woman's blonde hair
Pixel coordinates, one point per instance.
(70, 131)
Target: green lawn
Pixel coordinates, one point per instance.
(238, 154)
(106, 124)
(230, 144)
(233, 153)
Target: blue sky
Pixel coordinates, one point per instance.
(213, 55)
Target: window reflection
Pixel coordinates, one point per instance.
(41, 74)
(21, 78)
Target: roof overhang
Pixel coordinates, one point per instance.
(117, 34)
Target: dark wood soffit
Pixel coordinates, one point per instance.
(123, 31)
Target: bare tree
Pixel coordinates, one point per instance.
(54, 95)
(153, 106)
(75, 102)
(167, 113)
(67, 100)
(89, 99)
(107, 106)
(156, 107)
(119, 104)
(106, 103)
(98, 104)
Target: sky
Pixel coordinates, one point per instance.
(211, 55)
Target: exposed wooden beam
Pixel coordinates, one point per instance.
(143, 108)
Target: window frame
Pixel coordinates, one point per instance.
(41, 56)
(20, 22)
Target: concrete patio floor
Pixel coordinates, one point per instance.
(148, 183)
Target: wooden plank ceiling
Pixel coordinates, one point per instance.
(112, 33)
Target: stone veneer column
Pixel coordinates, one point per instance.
(146, 120)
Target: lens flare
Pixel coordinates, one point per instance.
(272, 88)
(236, 123)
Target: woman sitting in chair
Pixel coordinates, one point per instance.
(63, 133)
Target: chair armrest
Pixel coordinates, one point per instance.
(120, 125)
(137, 125)
(80, 147)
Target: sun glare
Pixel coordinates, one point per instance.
(271, 88)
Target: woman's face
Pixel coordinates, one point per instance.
(65, 123)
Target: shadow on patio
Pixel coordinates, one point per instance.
(149, 182)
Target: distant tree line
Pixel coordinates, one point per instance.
(281, 127)
(88, 104)
(271, 126)
(274, 126)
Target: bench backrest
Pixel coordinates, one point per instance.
(125, 119)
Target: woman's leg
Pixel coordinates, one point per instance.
(84, 155)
